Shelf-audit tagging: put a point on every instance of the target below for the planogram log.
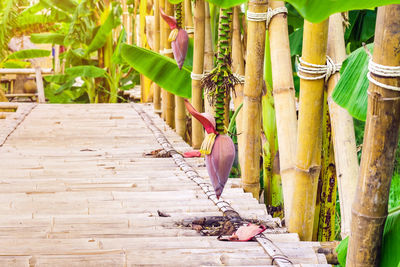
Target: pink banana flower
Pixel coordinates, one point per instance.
(178, 37)
(218, 148)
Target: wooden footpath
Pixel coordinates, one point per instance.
(77, 190)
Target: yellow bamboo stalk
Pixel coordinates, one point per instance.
(252, 100)
(308, 154)
(198, 63)
(188, 14)
(144, 81)
(170, 98)
(369, 210)
(180, 116)
(208, 54)
(285, 103)
(238, 67)
(163, 38)
(343, 136)
(157, 89)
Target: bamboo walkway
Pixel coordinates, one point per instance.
(76, 190)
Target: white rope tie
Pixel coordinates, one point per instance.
(166, 51)
(189, 29)
(266, 16)
(383, 71)
(323, 71)
(196, 76)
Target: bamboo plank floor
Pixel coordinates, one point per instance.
(75, 190)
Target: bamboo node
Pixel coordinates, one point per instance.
(324, 71)
(266, 16)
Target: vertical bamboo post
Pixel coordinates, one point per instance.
(157, 89)
(238, 67)
(285, 102)
(208, 54)
(252, 93)
(308, 154)
(170, 98)
(342, 127)
(369, 210)
(163, 38)
(198, 63)
(188, 14)
(180, 109)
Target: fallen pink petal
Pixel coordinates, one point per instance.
(192, 154)
(247, 232)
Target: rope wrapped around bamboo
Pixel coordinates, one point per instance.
(384, 71)
(323, 71)
(267, 16)
(278, 257)
(166, 51)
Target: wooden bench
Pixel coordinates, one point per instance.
(39, 82)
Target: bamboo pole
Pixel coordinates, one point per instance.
(157, 89)
(145, 83)
(188, 15)
(169, 98)
(252, 100)
(369, 210)
(324, 227)
(308, 154)
(163, 38)
(198, 64)
(285, 103)
(208, 54)
(238, 67)
(342, 127)
(180, 109)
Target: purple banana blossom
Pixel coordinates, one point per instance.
(179, 39)
(219, 162)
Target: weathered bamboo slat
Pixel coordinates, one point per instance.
(89, 200)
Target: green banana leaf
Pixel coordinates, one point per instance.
(112, 21)
(351, 90)
(48, 38)
(319, 10)
(174, 2)
(296, 42)
(160, 69)
(29, 53)
(391, 240)
(66, 5)
(86, 71)
(14, 64)
(227, 3)
(57, 78)
(390, 255)
(116, 57)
